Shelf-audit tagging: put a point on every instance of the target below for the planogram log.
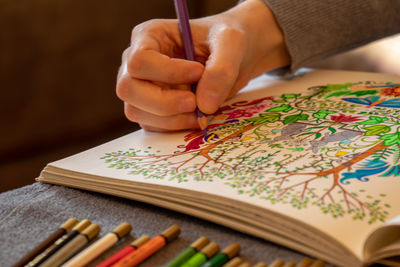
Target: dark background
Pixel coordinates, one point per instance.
(58, 66)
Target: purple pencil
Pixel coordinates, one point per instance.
(184, 26)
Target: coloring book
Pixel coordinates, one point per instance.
(311, 162)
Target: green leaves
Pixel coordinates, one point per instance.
(337, 87)
(332, 130)
(355, 93)
(290, 96)
(376, 129)
(286, 97)
(273, 115)
(317, 134)
(265, 118)
(364, 92)
(373, 120)
(340, 93)
(321, 114)
(307, 133)
(281, 108)
(390, 139)
(294, 118)
(379, 128)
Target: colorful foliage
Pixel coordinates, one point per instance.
(298, 149)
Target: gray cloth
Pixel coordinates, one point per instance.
(29, 213)
(316, 29)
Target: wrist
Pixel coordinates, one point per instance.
(265, 37)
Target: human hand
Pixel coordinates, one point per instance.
(231, 48)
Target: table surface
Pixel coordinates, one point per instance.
(28, 214)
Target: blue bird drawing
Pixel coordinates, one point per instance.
(371, 167)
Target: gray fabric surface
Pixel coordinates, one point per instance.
(28, 214)
(316, 29)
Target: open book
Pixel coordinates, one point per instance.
(312, 163)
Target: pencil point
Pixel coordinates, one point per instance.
(203, 122)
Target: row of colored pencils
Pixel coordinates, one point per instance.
(66, 247)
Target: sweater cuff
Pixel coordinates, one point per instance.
(315, 29)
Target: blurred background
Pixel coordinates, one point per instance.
(58, 66)
(59, 61)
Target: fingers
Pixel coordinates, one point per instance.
(153, 99)
(153, 122)
(155, 54)
(222, 68)
(122, 69)
(153, 60)
(152, 65)
(148, 69)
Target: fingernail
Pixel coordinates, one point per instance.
(187, 105)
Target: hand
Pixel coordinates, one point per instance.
(232, 48)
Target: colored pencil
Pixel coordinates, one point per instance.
(64, 228)
(59, 243)
(101, 245)
(149, 248)
(125, 251)
(195, 247)
(186, 34)
(72, 247)
(201, 257)
(224, 256)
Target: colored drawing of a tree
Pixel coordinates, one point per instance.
(296, 149)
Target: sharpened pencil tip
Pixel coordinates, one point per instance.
(203, 122)
(205, 132)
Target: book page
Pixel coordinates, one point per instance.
(322, 148)
(384, 242)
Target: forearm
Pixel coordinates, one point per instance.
(315, 29)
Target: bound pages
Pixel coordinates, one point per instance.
(312, 163)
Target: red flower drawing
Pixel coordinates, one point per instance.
(391, 91)
(238, 114)
(344, 118)
(257, 108)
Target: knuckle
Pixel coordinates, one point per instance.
(125, 54)
(154, 23)
(123, 89)
(233, 33)
(224, 72)
(145, 127)
(146, 26)
(131, 114)
(135, 62)
(148, 128)
(139, 28)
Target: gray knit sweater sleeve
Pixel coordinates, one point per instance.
(315, 29)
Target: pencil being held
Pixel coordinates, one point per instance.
(186, 34)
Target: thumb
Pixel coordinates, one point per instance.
(227, 47)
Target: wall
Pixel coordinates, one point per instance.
(58, 68)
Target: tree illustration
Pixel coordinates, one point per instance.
(296, 149)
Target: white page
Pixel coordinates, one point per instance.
(318, 140)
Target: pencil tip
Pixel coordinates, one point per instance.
(203, 122)
(205, 132)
